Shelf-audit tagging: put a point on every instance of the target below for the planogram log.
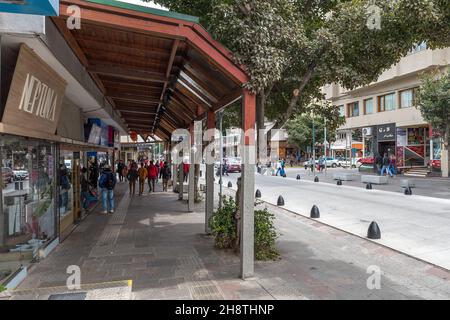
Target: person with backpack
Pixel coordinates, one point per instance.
(152, 170)
(132, 177)
(166, 175)
(385, 167)
(107, 183)
(142, 173)
(84, 188)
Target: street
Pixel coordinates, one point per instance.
(415, 225)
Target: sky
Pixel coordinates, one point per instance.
(147, 4)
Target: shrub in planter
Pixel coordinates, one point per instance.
(223, 224)
(265, 235)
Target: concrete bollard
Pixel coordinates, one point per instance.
(280, 201)
(230, 185)
(369, 186)
(315, 213)
(408, 191)
(374, 231)
(339, 183)
(298, 177)
(316, 179)
(258, 194)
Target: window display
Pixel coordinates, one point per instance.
(28, 216)
(65, 183)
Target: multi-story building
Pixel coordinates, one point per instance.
(384, 114)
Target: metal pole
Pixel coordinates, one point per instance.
(325, 145)
(314, 145)
(221, 158)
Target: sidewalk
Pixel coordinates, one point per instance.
(430, 187)
(154, 242)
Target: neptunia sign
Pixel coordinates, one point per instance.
(38, 99)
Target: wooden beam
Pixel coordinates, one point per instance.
(128, 73)
(228, 99)
(138, 99)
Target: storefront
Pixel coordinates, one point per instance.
(29, 151)
(413, 147)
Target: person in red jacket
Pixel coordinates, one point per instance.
(152, 176)
(186, 171)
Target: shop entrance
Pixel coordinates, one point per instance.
(386, 147)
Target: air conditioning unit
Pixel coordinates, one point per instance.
(13, 1)
(367, 131)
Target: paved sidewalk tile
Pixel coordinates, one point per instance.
(162, 248)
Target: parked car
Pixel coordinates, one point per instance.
(234, 165)
(20, 175)
(8, 175)
(345, 162)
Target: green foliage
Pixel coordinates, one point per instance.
(223, 224)
(3, 288)
(224, 229)
(434, 102)
(265, 235)
(300, 127)
(287, 43)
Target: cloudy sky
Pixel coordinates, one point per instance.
(139, 2)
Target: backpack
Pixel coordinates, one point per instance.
(109, 183)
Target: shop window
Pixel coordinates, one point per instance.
(353, 109)
(408, 98)
(28, 218)
(368, 106)
(65, 183)
(341, 110)
(386, 102)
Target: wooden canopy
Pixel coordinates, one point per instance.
(160, 70)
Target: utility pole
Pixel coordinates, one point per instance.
(325, 145)
(314, 144)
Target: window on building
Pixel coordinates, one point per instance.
(353, 109)
(368, 106)
(419, 47)
(408, 98)
(386, 102)
(341, 110)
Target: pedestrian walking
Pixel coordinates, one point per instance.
(132, 177)
(166, 175)
(278, 167)
(107, 183)
(84, 190)
(392, 166)
(186, 171)
(152, 171)
(120, 170)
(142, 173)
(385, 165)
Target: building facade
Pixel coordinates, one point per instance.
(53, 123)
(383, 116)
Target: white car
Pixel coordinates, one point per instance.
(345, 162)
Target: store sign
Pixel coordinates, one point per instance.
(37, 7)
(386, 132)
(36, 94)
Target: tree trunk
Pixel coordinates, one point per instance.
(260, 109)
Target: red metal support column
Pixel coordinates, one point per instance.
(248, 184)
(209, 176)
(191, 181)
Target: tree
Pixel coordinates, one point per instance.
(434, 104)
(292, 48)
(299, 128)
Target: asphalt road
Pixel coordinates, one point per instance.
(415, 225)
